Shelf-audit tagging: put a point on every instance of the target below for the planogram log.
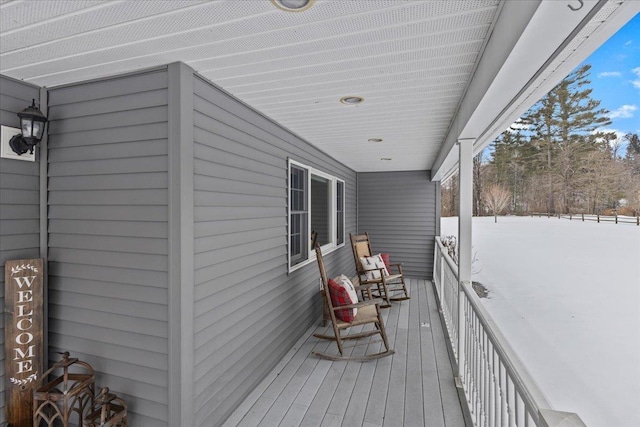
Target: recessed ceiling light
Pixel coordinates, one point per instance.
(293, 5)
(375, 140)
(386, 158)
(352, 100)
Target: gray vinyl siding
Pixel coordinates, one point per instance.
(108, 235)
(398, 210)
(19, 200)
(248, 310)
(110, 229)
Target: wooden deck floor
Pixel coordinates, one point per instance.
(414, 387)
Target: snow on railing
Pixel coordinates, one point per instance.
(498, 388)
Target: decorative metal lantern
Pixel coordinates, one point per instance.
(32, 123)
(108, 411)
(71, 391)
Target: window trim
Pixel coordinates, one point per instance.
(344, 209)
(333, 225)
(306, 211)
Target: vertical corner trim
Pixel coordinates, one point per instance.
(181, 238)
(43, 152)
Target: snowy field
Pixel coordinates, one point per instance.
(566, 294)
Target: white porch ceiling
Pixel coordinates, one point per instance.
(412, 61)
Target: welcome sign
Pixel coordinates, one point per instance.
(23, 337)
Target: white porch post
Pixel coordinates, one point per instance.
(464, 238)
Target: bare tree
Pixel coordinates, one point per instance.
(496, 198)
(477, 184)
(449, 196)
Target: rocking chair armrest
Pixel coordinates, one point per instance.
(360, 304)
(397, 265)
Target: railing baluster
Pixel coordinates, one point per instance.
(480, 369)
(486, 407)
(468, 372)
(503, 396)
(516, 406)
(492, 387)
(474, 350)
(496, 393)
(476, 370)
(511, 402)
(481, 373)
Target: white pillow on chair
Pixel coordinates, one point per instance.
(372, 265)
(351, 290)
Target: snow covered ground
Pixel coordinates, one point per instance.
(566, 294)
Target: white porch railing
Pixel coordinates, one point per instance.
(498, 388)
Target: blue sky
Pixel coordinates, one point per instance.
(615, 77)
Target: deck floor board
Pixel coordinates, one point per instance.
(413, 387)
(432, 404)
(377, 401)
(413, 407)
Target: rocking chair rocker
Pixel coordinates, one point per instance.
(368, 312)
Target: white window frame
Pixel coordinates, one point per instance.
(333, 232)
(344, 209)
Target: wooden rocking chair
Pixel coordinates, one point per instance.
(368, 312)
(391, 287)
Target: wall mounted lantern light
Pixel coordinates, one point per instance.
(32, 123)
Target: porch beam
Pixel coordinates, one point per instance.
(511, 23)
(511, 73)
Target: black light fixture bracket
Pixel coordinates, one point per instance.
(19, 145)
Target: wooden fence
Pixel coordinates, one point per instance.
(618, 219)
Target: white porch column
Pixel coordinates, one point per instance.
(466, 209)
(464, 238)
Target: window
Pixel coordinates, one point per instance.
(316, 213)
(321, 209)
(298, 249)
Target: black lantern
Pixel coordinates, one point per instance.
(32, 123)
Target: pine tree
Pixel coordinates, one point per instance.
(513, 160)
(565, 125)
(632, 157)
(542, 119)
